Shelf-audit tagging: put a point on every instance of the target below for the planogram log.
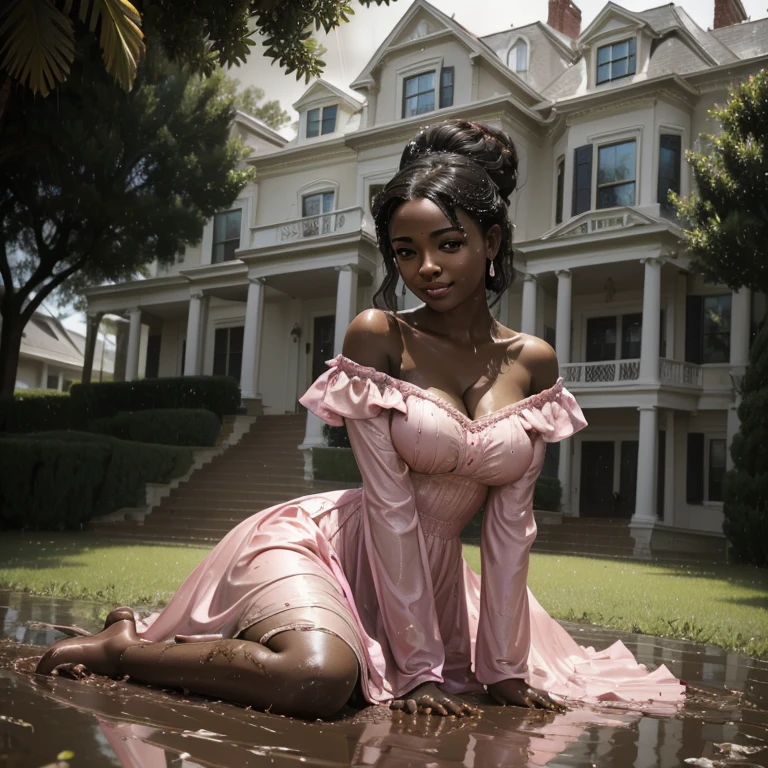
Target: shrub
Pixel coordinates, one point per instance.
(60, 480)
(31, 410)
(547, 494)
(220, 394)
(336, 437)
(745, 487)
(335, 464)
(170, 426)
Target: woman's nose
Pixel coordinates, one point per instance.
(429, 267)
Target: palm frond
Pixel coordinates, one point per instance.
(38, 44)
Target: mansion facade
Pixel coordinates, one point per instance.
(602, 118)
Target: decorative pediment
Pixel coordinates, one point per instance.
(594, 222)
(421, 25)
(321, 90)
(609, 21)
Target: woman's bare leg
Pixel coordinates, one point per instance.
(302, 673)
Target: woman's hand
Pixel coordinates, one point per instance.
(518, 693)
(428, 699)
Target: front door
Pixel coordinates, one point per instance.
(596, 491)
(625, 506)
(322, 343)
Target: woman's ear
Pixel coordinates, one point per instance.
(493, 241)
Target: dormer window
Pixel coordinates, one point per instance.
(616, 60)
(517, 58)
(321, 120)
(420, 94)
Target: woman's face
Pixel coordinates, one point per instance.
(440, 264)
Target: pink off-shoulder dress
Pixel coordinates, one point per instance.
(382, 566)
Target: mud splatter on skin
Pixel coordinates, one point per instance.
(724, 721)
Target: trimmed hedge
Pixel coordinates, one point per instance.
(34, 409)
(220, 394)
(335, 464)
(170, 426)
(60, 480)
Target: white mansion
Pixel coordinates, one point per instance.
(602, 118)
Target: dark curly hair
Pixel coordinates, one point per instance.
(456, 165)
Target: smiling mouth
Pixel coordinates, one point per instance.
(436, 292)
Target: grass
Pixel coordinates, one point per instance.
(721, 604)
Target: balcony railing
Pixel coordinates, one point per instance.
(345, 221)
(601, 372)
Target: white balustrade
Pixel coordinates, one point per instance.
(601, 372)
(679, 373)
(345, 221)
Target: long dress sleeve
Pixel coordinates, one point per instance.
(509, 530)
(393, 539)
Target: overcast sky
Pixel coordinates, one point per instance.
(351, 46)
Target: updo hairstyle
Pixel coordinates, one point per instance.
(457, 165)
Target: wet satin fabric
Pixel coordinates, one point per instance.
(386, 559)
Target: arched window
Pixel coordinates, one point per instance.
(517, 58)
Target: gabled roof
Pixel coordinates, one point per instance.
(562, 42)
(610, 11)
(321, 88)
(260, 128)
(746, 40)
(445, 24)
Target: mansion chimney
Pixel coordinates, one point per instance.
(565, 17)
(727, 12)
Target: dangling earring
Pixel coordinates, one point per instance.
(402, 293)
(492, 270)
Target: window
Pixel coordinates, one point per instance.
(52, 381)
(321, 121)
(582, 179)
(616, 175)
(601, 339)
(226, 235)
(228, 351)
(758, 314)
(631, 336)
(560, 190)
(670, 152)
(313, 208)
(706, 459)
(517, 58)
(419, 92)
(616, 60)
(152, 367)
(708, 329)
(374, 190)
(604, 334)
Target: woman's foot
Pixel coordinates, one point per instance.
(97, 654)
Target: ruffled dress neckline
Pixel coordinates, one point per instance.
(407, 389)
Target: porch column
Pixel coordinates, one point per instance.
(669, 468)
(346, 304)
(644, 517)
(254, 312)
(563, 351)
(194, 334)
(44, 377)
(528, 311)
(93, 320)
(134, 339)
(649, 344)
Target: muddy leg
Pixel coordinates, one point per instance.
(298, 673)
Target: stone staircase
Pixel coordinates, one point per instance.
(595, 537)
(263, 469)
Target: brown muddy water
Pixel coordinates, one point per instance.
(107, 723)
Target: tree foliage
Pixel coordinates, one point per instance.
(115, 182)
(38, 37)
(726, 231)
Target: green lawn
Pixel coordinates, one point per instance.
(725, 604)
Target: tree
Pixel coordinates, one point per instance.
(726, 230)
(270, 112)
(119, 180)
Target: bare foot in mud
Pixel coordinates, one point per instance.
(100, 654)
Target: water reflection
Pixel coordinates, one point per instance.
(118, 724)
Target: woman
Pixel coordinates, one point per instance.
(446, 410)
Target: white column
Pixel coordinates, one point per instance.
(645, 501)
(563, 322)
(528, 312)
(254, 312)
(669, 468)
(44, 377)
(194, 334)
(740, 327)
(649, 345)
(346, 304)
(134, 339)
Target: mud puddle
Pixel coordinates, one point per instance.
(106, 723)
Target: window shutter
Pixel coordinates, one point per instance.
(582, 179)
(694, 475)
(694, 339)
(446, 87)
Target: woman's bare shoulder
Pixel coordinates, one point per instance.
(373, 339)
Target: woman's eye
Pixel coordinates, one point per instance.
(452, 245)
(403, 253)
